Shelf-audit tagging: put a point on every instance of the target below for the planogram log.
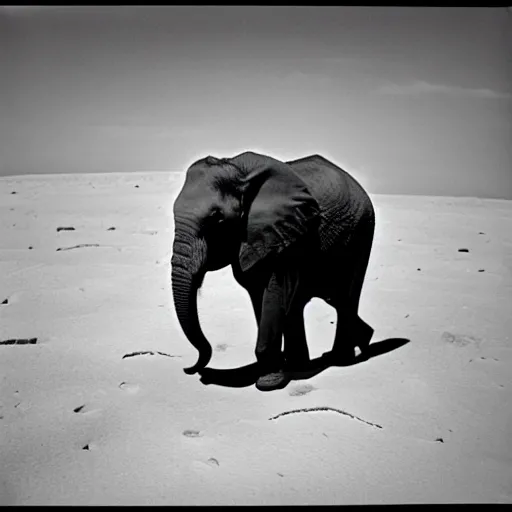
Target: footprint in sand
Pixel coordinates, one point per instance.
(210, 463)
(129, 388)
(301, 389)
(460, 340)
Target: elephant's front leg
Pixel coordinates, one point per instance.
(296, 351)
(282, 312)
(270, 333)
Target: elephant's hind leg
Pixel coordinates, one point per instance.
(351, 330)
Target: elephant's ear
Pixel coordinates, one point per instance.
(279, 210)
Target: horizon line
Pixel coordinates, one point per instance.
(403, 194)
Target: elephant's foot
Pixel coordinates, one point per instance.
(346, 356)
(364, 336)
(271, 381)
(343, 353)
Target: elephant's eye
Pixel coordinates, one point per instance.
(216, 215)
(215, 218)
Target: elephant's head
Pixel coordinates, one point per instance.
(245, 208)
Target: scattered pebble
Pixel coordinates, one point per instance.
(65, 228)
(463, 249)
(136, 186)
(112, 228)
(481, 270)
(5, 301)
(14, 192)
(78, 409)
(418, 269)
(192, 433)
(406, 316)
(30, 247)
(481, 233)
(440, 440)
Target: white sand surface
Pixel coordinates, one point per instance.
(427, 421)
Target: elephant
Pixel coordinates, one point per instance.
(291, 231)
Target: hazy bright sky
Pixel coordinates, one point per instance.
(412, 100)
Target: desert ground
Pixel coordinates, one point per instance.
(95, 408)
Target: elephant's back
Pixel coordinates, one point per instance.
(326, 180)
(343, 201)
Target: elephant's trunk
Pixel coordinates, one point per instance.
(188, 269)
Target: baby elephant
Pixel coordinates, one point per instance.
(291, 231)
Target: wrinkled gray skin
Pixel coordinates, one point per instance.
(291, 231)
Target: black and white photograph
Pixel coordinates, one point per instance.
(255, 255)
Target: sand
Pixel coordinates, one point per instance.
(84, 420)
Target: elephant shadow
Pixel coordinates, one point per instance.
(248, 375)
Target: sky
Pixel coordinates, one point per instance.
(410, 100)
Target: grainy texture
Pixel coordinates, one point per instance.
(80, 425)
